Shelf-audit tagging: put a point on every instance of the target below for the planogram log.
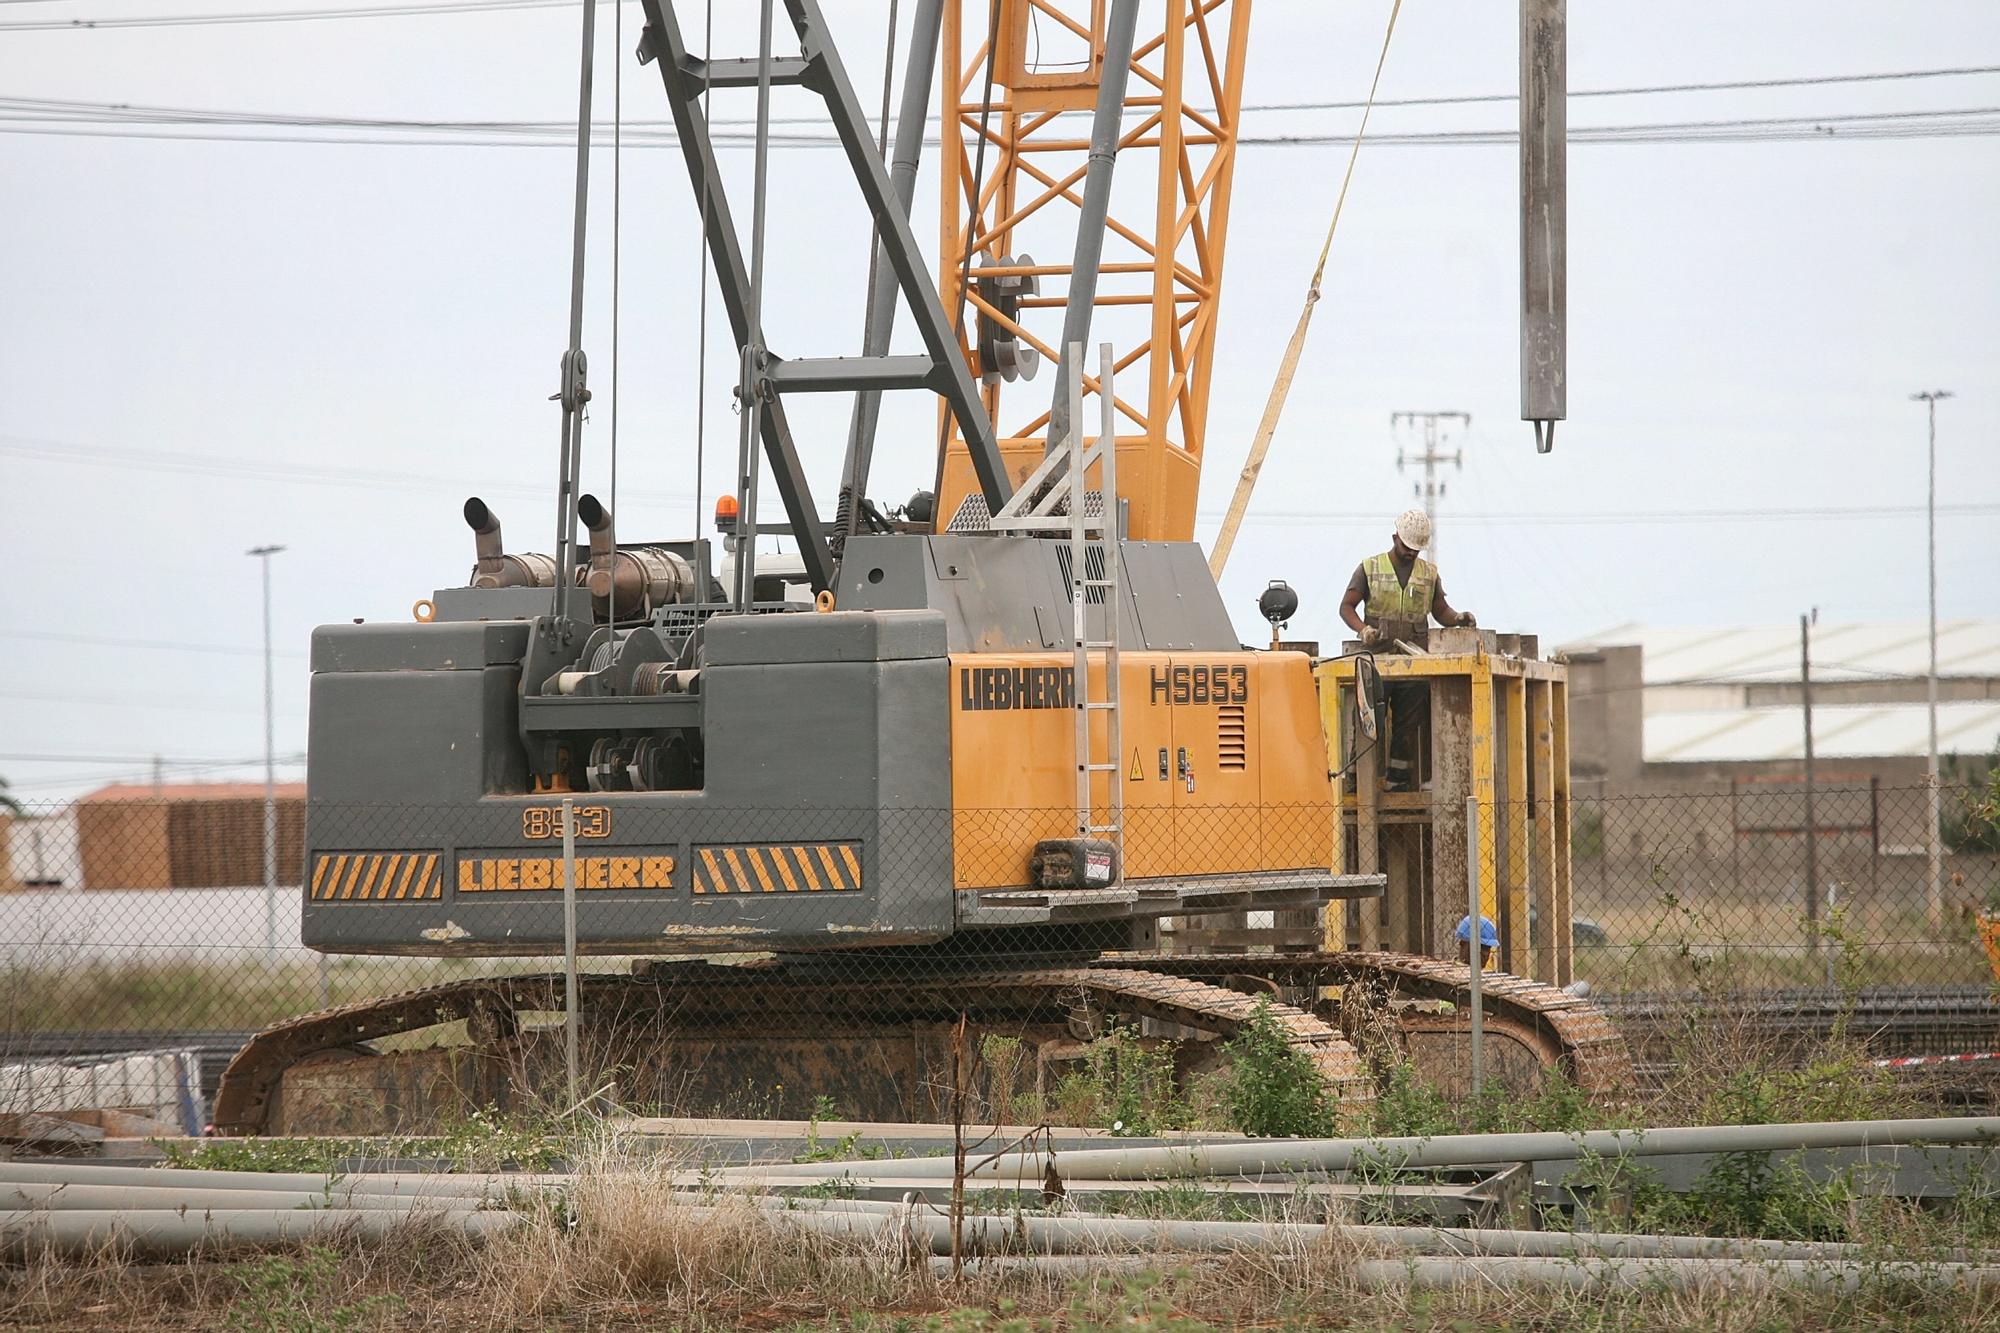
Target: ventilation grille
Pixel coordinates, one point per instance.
(1232, 744)
(1093, 568)
(972, 515)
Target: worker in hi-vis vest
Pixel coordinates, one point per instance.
(1402, 592)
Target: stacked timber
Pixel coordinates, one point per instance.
(186, 836)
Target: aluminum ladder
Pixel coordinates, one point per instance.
(1095, 583)
(1036, 507)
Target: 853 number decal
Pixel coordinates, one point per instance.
(541, 822)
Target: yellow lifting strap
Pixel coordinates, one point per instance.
(1260, 446)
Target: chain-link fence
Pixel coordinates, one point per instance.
(1767, 885)
(141, 924)
(153, 915)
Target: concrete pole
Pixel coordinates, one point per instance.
(264, 554)
(26, 1196)
(1261, 1156)
(491, 1187)
(1544, 195)
(163, 1233)
(1933, 835)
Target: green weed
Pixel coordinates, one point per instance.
(1136, 1083)
(1272, 1089)
(282, 1294)
(481, 1141)
(845, 1148)
(1408, 1107)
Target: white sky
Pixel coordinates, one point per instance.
(1746, 322)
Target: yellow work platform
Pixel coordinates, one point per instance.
(1498, 732)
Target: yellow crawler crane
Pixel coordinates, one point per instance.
(944, 775)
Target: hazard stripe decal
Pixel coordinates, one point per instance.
(376, 877)
(811, 867)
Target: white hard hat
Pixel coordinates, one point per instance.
(1414, 527)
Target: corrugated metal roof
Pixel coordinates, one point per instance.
(194, 791)
(1840, 650)
(1842, 732)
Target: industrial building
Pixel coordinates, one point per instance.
(1654, 708)
(1688, 745)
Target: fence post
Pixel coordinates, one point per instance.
(569, 948)
(1736, 840)
(1475, 941)
(1812, 829)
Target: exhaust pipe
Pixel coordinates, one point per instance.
(485, 525)
(603, 545)
(493, 567)
(641, 578)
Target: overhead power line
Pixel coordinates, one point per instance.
(176, 769)
(1958, 122)
(1643, 90)
(417, 9)
(141, 702)
(164, 645)
(1805, 513)
(1853, 124)
(244, 469)
(63, 110)
(422, 8)
(66, 758)
(309, 474)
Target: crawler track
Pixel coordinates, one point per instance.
(1564, 1031)
(1202, 994)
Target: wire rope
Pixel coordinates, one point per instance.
(617, 234)
(1281, 385)
(845, 520)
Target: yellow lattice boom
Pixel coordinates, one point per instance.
(1160, 282)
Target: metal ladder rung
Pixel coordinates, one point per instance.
(1102, 828)
(1099, 768)
(1104, 704)
(1099, 643)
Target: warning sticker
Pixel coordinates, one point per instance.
(1138, 773)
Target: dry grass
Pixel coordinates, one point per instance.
(634, 1261)
(621, 1246)
(232, 994)
(623, 1253)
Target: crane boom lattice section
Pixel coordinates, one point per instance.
(1160, 280)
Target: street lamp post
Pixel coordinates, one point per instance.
(264, 554)
(1933, 849)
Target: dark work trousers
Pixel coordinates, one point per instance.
(1409, 711)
